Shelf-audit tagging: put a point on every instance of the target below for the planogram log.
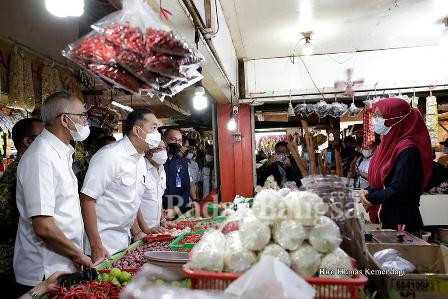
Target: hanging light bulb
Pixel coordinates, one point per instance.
(65, 8)
(308, 48)
(231, 125)
(199, 99)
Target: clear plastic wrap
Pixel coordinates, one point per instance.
(28, 87)
(399, 264)
(254, 234)
(118, 76)
(277, 251)
(386, 255)
(305, 260)
(289, 234)
(336, 264)
(16, 87)
(322, 109)
(93, 48)
(337, 109)
(236, 257)
(269, 206)
(353, 110)
(300, 109)
(208, 254)
(325, 236)
(304, 207)
(338, 194)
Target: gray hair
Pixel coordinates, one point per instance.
(56, 104)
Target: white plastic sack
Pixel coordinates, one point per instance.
(268, 279)
(236, 257)
(254, 234)
(278, 252)
(208, 254)
(304, 206)
(269, 206)
(338, 264)
(305, 260)
(325, 236)
(386, 255)
(399, 264)
(170, 293)
(289, 234)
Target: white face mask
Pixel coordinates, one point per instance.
(189, 156)
(81, 133)
(160, 157)
(379, 126)
(208, 158)
(152, 139)
(366, 153)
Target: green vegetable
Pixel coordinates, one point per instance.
(115, 282)
(124, 277)
(105, 277)
(115, 272)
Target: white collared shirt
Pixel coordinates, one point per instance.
(151, 205)
(46, 186)
(116, 179)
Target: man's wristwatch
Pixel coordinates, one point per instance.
(33, 295)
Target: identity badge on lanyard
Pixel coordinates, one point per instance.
(178, 179)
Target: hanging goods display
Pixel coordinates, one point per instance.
(432, 119)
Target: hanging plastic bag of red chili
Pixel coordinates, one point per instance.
(118, 76)
(93, 48)
(128, 27)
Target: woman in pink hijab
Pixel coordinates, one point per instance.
(401, 166)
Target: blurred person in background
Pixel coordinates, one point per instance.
(23, 134)
(439, 177)
(280, 165)
(362, 165)
(444, 159)
(208, 173)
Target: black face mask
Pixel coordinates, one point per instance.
(174, 148)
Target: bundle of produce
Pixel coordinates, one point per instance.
(139, 48)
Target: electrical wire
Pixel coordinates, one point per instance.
(217, 20)
(311, 77)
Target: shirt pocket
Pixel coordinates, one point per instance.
(127, 181)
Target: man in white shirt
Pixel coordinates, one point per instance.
(114, 186)
(151, 206)
(49, 236)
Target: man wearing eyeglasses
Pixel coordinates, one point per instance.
(50, 231)
(114, 186)
(23, 134)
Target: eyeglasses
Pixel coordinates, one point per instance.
(82, 116)
(175, 140)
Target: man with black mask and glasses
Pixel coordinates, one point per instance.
(176, 199)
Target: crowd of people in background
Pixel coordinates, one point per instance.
(57, 215)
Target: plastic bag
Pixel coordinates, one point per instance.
(337, 263)
(118, 76)
(16, 88)
(337, 109)
(237, 258)
(305, 260)
(269, 206)
(322, 109)
(304, 207)
(92, 48)
(289, 234)
(325, 236)
(270, 278)
(208, 254)
(254, 234)
(301, 109)
(337, 193)
(353, 110)
(399, 264)
(278, 252)
(386, 255)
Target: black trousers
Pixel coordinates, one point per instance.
(21, 289)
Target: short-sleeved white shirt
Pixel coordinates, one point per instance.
(151, 205)
(46, 186)
(116, 179)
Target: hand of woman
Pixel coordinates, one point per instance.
(48, 285)
(363, 195)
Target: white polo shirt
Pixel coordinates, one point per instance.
(46, 186)
(116, 179)
(151, 205)
(193, 169)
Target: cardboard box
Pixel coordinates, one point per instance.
(430, 260)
